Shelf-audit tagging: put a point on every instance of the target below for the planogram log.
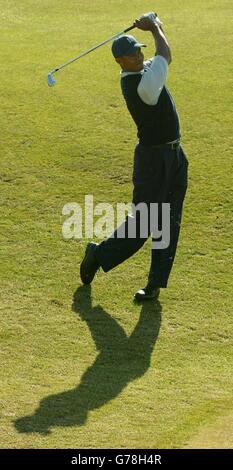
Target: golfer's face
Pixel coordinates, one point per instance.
(132, 63)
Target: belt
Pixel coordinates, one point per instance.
(171, 145)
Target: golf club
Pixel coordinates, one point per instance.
(51, 79)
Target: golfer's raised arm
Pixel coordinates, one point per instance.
(161, 44)
(153, 24)
(153, 80)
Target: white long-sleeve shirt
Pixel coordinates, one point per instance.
(153, 79)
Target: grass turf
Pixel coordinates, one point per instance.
(97, 370)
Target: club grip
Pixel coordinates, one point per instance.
(129, 29)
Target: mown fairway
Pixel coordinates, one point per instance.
(97, 370)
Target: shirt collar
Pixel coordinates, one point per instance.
(146, 63)
(125, 74)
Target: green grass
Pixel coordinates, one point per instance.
(73, 374)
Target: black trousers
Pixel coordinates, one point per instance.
(159, 176)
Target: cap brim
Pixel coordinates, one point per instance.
(138, 44)
(135, 46)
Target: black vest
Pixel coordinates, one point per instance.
(156, 124)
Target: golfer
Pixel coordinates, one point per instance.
(160, 165)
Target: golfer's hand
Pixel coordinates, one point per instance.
(147, 21)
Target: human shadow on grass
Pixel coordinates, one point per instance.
(120, 360)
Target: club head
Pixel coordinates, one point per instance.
(51, 80)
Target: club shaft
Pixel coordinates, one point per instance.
(92, 49)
